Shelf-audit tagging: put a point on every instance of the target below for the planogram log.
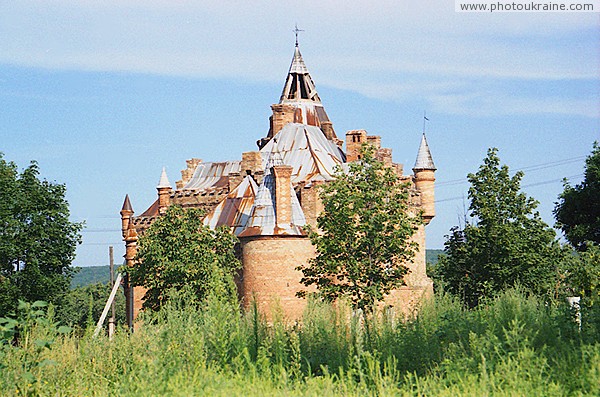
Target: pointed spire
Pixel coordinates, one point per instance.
(424, 159)
(299, 85)
(298, 65)
(127, 204)
(164, 180)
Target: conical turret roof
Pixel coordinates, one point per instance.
(127, 204)
(164, 180)
(424, 159)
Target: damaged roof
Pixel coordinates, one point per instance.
(234, 210)
(307, 150)
(263, 217)
(212, 174)
(299, 90)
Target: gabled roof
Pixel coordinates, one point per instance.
(151, 211)
(307, 150)
(424, 159)
(234, 210)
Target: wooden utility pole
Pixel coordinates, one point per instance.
(111, 320)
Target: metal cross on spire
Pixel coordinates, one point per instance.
(296, 31)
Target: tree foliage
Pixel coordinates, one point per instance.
(582, 274)
(578, 209)
(37, 240)
(82, 306)
(179, 251)
(506, 242)
(364, 236)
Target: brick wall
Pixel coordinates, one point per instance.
(269, 274)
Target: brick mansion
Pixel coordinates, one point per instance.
(267, 196)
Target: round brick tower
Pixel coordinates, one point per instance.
(270, 277)
(273, 245)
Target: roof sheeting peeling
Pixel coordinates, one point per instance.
(307, 150)
(209, 175)
(234, 210)
(263, 219)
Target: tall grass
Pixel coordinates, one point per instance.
(513, 345)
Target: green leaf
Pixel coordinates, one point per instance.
(63, 329)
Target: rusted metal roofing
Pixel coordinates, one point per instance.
(300, 91)
(263, 220)
(151, 211)
(211, 174)
(424, 159)
(234, 210)
(307, 150)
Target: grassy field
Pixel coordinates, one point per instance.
(513, 346)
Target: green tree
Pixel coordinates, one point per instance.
(582, 274)
(82, 306)
(179, 251)
(37, 240)
(505, 244)
(364, 237)
(577, 212)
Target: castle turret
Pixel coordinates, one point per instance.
(133, 295)
(164, 192)
(424, 179)
(126, 214)
(273, 244)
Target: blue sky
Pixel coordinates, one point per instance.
(103, 94)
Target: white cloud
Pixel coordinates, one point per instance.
(385, 49)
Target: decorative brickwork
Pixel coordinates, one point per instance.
(270, 212)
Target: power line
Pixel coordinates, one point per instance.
(535, 167)
(528, 185)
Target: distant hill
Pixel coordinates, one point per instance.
(90, 275)
(99, 274)
(431, 256)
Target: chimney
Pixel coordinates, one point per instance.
(354, 141)
(374, 140)
(282, 115)
(283, 195)
(327, 128)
